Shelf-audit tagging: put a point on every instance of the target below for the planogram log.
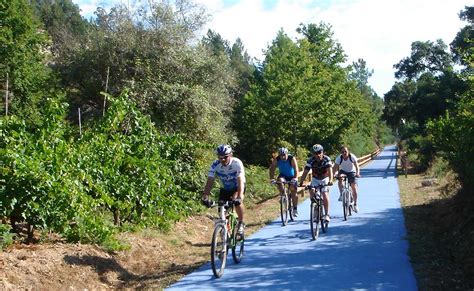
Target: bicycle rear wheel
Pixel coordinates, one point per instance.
(238, 241)
(314, 219)
(219, 250)
(284, 208)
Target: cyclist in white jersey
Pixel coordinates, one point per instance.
(230, 171)
(346, 163)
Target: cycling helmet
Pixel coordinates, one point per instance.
(282, 151)
(224, 150)
(317, 148)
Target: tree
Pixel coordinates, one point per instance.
(23, 50)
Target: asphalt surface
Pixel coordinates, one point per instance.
(367, 252)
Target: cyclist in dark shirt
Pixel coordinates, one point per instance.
(321, 169)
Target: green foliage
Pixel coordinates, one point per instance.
(257, 187)
(6, 237)
(122, 164)
(22, 53)
(304, 96)
(454, 138)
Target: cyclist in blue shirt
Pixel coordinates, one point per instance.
(288, 171)
(230, 171)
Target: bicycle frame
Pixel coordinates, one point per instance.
(286, 201)
(225, 237)
(347, 198)
(316, 211)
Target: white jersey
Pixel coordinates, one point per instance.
(346, 165)
(228, 174)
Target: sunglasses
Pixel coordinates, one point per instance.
(223, 157)
(344, 152)
(318, 152)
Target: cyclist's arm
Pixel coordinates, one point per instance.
(336, 169)
(240, 188)
(303, 177)
(330, 175)
(357, 168)
(207, 188)
(272, 168)
(294, 163)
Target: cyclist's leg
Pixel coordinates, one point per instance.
(281, 179)
(293, 191)
(325, 194)
(353, 183)
(239, 209)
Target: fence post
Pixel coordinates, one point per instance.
(80, 126)
(6, 98)
(106, 88)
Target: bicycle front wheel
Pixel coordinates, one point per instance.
(284, 209)
(291, 207)
(237, 245)
(324, 222)
(346, 204)
(219, 250)
(314, 219)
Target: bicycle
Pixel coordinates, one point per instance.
(347, 198)
(286, 202)
(316, 216)
(226, 236)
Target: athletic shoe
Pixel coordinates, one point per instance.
(327, 218)
(340, 197)
(355, 208)
(295, 212)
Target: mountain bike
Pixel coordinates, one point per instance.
(225, 237)
(316, 216)
(347, 198)
(286, 202)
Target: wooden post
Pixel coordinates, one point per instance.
(106, 88)
(80, 126)
(6, 98)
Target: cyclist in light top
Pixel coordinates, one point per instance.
(288, 170)
(346, 163)
(230, 171)
(321, 169)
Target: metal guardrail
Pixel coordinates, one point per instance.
(362, 161)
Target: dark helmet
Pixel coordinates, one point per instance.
(224, 150)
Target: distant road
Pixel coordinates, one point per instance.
(367, 252)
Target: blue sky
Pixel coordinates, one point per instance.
(378, 31)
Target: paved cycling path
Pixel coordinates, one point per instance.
(367, 252)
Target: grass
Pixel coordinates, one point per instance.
(440, 236)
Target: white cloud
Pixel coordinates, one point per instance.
(380, 32)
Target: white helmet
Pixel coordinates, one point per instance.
(282, 151)
(224, 150)
(317, 148)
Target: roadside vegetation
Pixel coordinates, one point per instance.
(440, 229)
(108, 125)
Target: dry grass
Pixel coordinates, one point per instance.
(440, 240)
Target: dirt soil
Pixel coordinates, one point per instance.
(154, 260)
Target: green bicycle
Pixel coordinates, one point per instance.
(226, 237)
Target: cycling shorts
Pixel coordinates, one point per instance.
(316, 182)
(289, 179)
(351, 176)
(227, 195)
